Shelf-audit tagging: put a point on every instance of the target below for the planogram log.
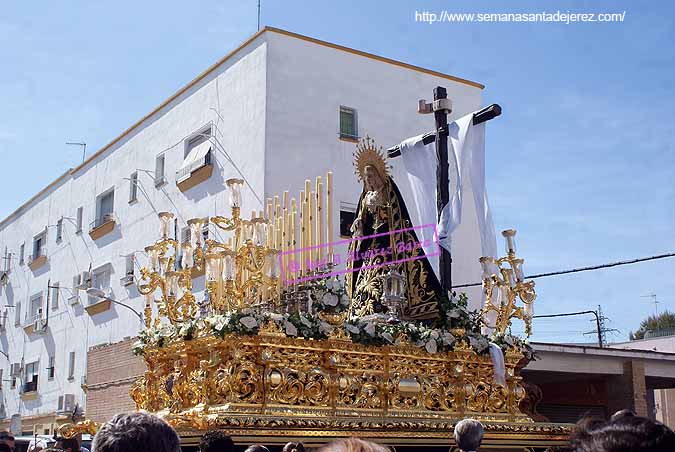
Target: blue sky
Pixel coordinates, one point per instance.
(581, 162)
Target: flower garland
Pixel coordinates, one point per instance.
(455, 323)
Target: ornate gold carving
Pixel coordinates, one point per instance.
(72, 430)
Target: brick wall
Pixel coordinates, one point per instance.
(111, 370)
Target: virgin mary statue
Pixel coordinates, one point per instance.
(383, 241)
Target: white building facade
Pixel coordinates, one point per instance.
(280, 109)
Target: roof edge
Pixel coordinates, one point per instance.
(375, 57)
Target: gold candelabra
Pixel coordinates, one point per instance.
(244, 270)
(503, 284)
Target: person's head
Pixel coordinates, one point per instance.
(624, 434)
(67, 445)
(257, 448)
(136, 432)
(7, 438)
(372, 178)
(294, 447)
(468, 434)
(352, 445)
(621, 413)
(216, 441)
(5, 448)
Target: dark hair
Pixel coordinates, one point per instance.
(626, 433)
(6, 435)
(70, 443)
(4, 447)
(216, 441)
(621, 413)
(257, 448)
(468, 434)
(294, 447)
(136, 432)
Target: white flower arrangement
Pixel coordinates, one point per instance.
(377, 330)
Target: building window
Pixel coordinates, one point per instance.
(100, 279)
(347, 217)
(71, 366)
(348, 123)
(1, 375)
(55, 295)
(104, 208)
(129, 264)
(17, 313)
(59, 229)
(159, 171)
(32, 370)
(35, 310)
(22, 252)
(133, 187)
(79, 220)
(39, 245)
(51, 369)
(197, 153)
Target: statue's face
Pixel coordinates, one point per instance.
(372, 178)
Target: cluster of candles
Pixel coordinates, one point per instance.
(302, 229)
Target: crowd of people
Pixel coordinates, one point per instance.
(144, 432)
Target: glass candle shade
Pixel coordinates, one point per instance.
(153, 257)
(509, 277)
(259, 233)
(187, 259)
(486, 265)
(228, 266)
(196, 226)
(272, 267)
(171, 279)
(529, 309)
(165, 224)
(518, 269)
(509, 236)
(235, 186)
(214, 262)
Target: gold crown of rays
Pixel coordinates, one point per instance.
(368, 154)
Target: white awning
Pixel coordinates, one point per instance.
(194, 160)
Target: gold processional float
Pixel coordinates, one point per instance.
(270, 353)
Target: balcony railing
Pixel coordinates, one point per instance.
(189, 169)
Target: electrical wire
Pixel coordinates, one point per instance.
(583, 269)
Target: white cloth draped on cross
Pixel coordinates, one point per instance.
(466, 156)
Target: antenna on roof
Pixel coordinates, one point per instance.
(79, 143)
(258, 15)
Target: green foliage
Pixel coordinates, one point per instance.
(654, 322)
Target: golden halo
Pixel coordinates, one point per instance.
(367, 154)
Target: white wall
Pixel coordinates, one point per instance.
(307, 84)
(238, 87)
